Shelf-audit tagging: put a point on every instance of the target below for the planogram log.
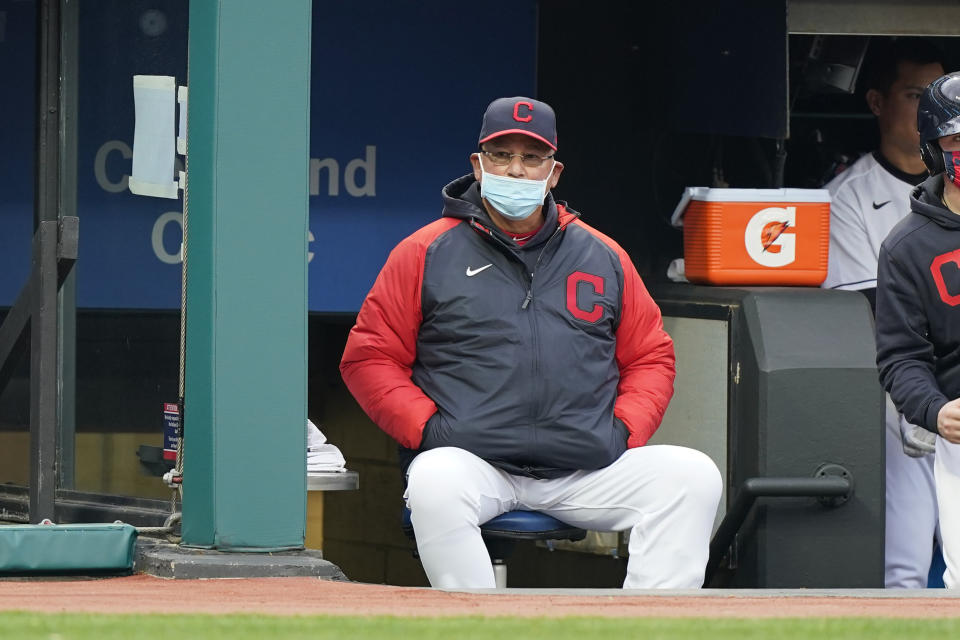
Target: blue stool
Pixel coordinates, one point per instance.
(501, 534)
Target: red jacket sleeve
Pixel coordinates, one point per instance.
(381, 347)
(645, 358)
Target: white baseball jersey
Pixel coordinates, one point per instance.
(867, 200)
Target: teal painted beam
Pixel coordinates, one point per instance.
(246, 344)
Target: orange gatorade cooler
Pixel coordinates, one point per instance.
(755, 236)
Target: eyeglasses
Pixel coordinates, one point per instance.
(503, 158)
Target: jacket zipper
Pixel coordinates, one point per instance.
(535, 335)
(529, 298)
(534, 331)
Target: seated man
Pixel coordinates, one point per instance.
(516, 356)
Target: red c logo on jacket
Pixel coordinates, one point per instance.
(596, 282)
(936, 269)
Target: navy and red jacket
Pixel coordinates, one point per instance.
(541, 359)
(918, 308)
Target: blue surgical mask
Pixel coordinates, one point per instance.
(513, 198)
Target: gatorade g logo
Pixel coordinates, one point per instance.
(516, 111)
(937, 269)
(770, 239)
(596, 283)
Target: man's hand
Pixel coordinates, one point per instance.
(948, 421)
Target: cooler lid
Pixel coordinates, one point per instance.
(710, 194)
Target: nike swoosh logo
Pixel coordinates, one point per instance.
(877, 206)
(473, 272)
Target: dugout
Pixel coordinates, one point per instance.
(654, 62)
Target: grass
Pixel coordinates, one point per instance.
(45, 626)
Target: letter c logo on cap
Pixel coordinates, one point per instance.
(516, 111)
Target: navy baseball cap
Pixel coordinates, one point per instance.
(520, 115)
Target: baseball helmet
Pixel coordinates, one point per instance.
(938, 115)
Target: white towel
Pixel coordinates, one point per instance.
(321, 456)
(315, 437)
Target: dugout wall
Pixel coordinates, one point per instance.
(792, 392)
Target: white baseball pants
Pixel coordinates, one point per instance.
(911, 522)
(666, 496)
(946, 469)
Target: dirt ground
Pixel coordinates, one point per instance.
(310, 596)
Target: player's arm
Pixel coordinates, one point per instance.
(905, 355)
(381, 348)
(645, 358)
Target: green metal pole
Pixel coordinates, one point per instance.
(246, 304)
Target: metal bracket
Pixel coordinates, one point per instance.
(830, 470)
